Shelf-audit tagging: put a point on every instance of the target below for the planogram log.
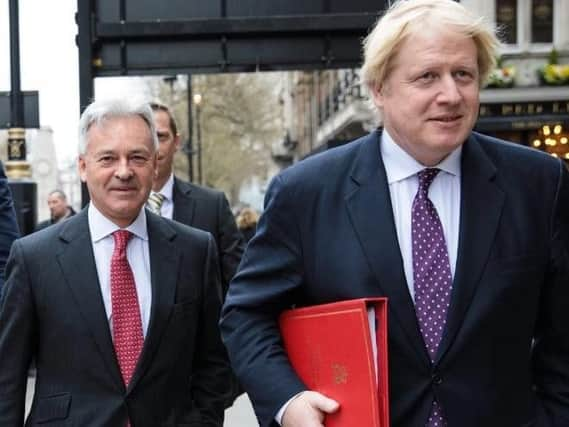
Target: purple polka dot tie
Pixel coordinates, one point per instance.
(431, 274)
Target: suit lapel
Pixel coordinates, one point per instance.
(371, 215)
(77, 263)
(164, 267)
(481, 206)
(184, 204)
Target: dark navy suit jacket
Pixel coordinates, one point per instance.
(9, 230)
(328, 234)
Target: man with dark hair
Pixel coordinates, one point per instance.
(190, 204)
(59, 209)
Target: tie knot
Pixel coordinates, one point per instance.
(121, 239)
(426, 177)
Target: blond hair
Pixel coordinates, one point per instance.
(247, 218)
(406, 18)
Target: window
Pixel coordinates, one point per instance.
(523, 22)
(507, 20)
(542, 21)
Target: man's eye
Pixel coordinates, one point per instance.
(139, 159)
(464, 75)
(426, 77)
(106, 159)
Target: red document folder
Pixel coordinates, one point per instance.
(330, 348)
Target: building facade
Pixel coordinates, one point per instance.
(526, 100)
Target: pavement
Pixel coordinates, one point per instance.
(239, 415)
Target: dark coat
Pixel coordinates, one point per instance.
(43, 224)
(9, 230)
(52, 310)
(208, 210)
(504, 357)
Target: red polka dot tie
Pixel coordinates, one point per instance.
(127, 325)
(431, 274)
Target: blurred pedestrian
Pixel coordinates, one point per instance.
(247, 222)
(59, 209)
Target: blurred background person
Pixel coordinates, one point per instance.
(59, 209)
(247, 222)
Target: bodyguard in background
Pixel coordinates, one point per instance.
(190, 204)
(59, 209)
(467, 236)
(118, 306)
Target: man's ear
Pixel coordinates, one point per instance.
(378, 93)
(81, 167)
(177, 141)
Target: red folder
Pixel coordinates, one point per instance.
(330, 348)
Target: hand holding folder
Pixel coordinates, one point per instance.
(340, 350)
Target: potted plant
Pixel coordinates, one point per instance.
(501, 76)
(554, 73)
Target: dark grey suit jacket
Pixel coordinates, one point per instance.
(51, 309)
(208, 210)
(504, 357)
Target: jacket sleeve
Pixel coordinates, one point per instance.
(17, 335)
(551, 348)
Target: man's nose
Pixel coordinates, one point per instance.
(123, 170)
(449, 91)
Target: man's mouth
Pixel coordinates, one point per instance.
(447, 119)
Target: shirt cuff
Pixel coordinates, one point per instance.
(279, 416)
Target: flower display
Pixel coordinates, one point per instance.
(501, 77)
(555, 74)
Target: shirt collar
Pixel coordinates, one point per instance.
(167, 189)
(399, 165)
(100, 226)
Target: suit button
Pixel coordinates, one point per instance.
(436, 378)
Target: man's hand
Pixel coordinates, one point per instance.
(308, 410)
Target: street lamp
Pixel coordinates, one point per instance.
(197, 103)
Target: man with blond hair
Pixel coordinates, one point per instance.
(466, 235)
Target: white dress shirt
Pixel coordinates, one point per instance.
(167, 209)
(138, 256)
(401, 170)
